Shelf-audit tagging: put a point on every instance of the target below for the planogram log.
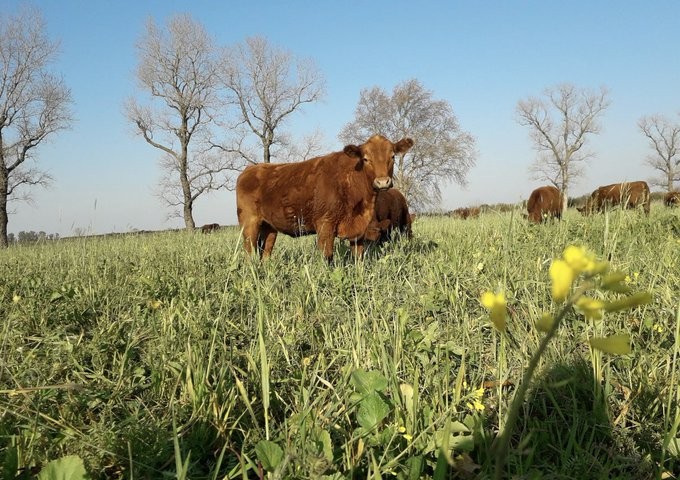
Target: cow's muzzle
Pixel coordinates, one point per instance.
(382, 183)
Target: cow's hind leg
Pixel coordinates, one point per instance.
(251, 232)
(266, 240)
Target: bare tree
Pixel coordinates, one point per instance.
(664, 138)
(178, 68)
(560, 124)
(266, 85)
(34, 104)
(442, 151)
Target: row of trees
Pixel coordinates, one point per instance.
(211, 110)
(24, 237)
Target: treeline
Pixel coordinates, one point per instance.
(31, 237)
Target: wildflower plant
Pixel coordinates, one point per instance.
(573, 277)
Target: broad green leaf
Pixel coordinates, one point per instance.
(614, 344)
(414, 467)
(327, 445)
(269, 454)
(367, 382)
(66, 468)
(372, 410)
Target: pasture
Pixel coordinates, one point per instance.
(172, 355)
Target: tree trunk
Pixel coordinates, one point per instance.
(4, 219)
(187, 201)
(189, 215)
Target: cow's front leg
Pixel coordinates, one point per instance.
(357, 248)
(325, 238)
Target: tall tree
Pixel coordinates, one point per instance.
(664, 138)
(34, 104)
(560, 124)
(266, 85)
(442, 151)
(178, 68)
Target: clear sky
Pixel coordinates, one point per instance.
(480, 56)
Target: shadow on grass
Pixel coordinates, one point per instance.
(565, 431)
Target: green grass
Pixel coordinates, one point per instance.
(174, 355)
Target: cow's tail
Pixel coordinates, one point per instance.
(648, 200)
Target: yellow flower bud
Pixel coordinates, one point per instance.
(496, 304)
(639, 298)
(545, 323)
(614, 344)
(615, 282)
(562, 276)
(591, 308)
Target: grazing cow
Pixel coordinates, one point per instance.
(465, 213)
(545, 202)
(672, 199)
(332, 196)
(391, 212)
(627, 194)
(210, 227)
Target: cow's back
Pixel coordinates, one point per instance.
(544, 200)
(626, 194)
(391, 205)
(291, 197)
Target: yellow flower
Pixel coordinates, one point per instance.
(581, 260)
(407, 437)
(475, 406)
(562, 276)
(495, 303)
(16, 298)
(154, 304)
(591, 308)
(657, 328)
(614, 344)
(578, 258)
(402, 429)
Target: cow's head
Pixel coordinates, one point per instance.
(376, 158)
(587, 208)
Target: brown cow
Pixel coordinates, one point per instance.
(467, 212)
(672, 199)
(545, 202)
(332, 196)
(210, 227)
(391, 213)
(627, 194)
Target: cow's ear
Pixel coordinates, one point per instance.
(403, 145)
(412, 217)
(352, 151)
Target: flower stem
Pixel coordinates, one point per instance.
(502, 443)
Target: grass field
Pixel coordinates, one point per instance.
(171, 355)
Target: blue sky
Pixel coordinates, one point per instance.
(480, 56)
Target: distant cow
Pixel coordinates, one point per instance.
(210, 227)
(627, 194)
(544, 202)
(332, 196)
(672, 199)
(465, 213)
(391, 211)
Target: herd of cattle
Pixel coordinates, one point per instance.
(348, 195)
